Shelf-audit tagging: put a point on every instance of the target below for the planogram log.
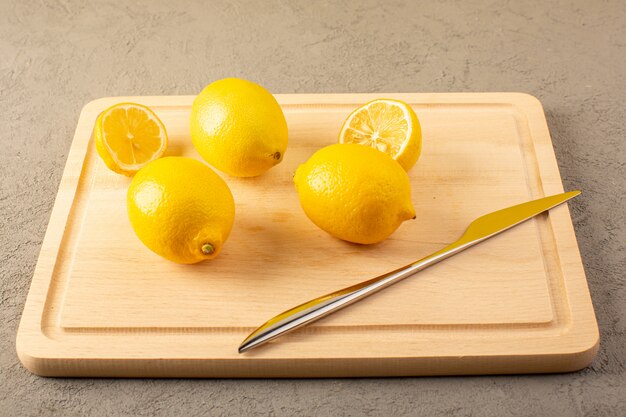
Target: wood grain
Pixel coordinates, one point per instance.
(101, 304)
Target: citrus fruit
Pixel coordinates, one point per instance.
(391, 126)
(238, 127)
(354, 192)
(128, 136)
(180, 209)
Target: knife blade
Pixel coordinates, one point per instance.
(478, 231)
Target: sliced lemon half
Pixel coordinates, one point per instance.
(128, 136)
(391, 126)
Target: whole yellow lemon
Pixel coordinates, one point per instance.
(238, 127)
(355, 193)
(180, 209)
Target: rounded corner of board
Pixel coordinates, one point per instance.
(582, 353)
(525, 99)
(97, 105)
(31, 358)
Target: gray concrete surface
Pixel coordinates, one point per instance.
(57, 55)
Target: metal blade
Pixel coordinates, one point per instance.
(501, 220)
(479, 230)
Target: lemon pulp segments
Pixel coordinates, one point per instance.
(390, 126)
(128, 136)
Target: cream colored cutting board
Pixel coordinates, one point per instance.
(101, 304)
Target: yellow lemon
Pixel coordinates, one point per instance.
(354, 192)
(181, 209)
(391, 126)
(128, 136)
(238, 127)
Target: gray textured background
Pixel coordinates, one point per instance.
(57, 55)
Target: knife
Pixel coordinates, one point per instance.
(479, 230)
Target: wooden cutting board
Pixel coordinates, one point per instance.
(101, 304)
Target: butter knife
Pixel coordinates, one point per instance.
(479, 230)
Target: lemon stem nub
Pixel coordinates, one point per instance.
(208, 249)
(276, 155)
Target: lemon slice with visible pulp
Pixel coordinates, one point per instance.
(128, 136)
(390, 126)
